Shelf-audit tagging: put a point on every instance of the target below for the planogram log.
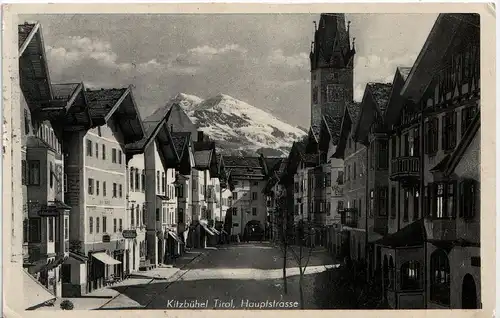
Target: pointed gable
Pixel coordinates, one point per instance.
(396, 101)
(351, 114)
(372, 107)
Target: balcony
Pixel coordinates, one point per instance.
(405, 169)
(349, 217)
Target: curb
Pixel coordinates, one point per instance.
(195, 260)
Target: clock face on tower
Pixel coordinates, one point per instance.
(334, 93)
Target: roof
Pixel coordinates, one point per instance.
(435, 48)
(334, 125)
(151, 131)
(64, 91)
(353, 110)
(202, 158)
(242, 161)
(101, 102)
(404, 71)
(272, 163)
(180, 140)
(414, 234)
(381, 93)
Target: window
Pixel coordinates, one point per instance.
(443, 200)
(440, 277)
(431, 131)
(137, 180)
(383, 155)
(449, 131)
(372, 203)
(66, 228)
(132, 215)
(34, 172)
(406, 204)
(235, 211)
(51, 177)
(143, 181)
(372, 155)
(416, 142)
(132, 179)
(26, 122)
(254, 195)
(158, 181)
(137, 214)
(97, 224)
(113, 155)
(394, 146)
(91, 225)
(89, 148)
(50, 222)
(157, 214)
(120, 156)
(103, 152)
(235, 195)
(406, 148)
(104, 188)
(120, 190)
(97, 187)
(467, 116)
(114, 190)
(164, 215)
(23, 172)
(340, 205)
(121, 225)
(91, 186)
(97, 150)
(65, 185)
(416, 197)
(328, 181)
(254, 211)
(393, 202)
(104, 224)
(180, 215)
(383, 201)
(410, 276)
(468, 198)
(296, 187)
(114, 225)
(340, 178)
(163, 182)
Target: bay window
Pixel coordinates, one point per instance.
(411, 276)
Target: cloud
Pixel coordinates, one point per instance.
(210, 51)
(373, 68)
(278, 58)
(281, 85)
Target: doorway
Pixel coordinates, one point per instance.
(469, 297)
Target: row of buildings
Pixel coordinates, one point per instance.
(393, 182)
(106, 193)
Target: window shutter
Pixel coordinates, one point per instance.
(462, 193)
(444, 132)
(454, 130)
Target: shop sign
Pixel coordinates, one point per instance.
(129, 234)
(106, 238)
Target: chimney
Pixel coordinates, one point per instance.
(200, 135)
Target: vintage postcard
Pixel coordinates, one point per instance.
(249, 157)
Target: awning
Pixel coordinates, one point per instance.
(175, 237)
(106, 259)
(207, 229)
(35, 294)
(215, 231)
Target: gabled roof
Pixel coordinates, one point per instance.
(396, 101)
(435, 48)
(33, 69)
(202, 159)
(353, 111)
(243, 166)
(151, 131)
(380, 93)
(180, 141)
(333, 124)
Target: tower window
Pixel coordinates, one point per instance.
(333, 93)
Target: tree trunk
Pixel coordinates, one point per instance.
(285, 287)
(301, 290)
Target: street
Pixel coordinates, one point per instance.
(232, 276)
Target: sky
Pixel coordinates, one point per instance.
(260, 59)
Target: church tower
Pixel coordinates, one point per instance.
(331, 59)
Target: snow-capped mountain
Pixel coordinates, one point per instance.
(239, 128)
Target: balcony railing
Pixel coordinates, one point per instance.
(405, 168)
(349, 217)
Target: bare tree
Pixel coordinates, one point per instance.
(283, 236)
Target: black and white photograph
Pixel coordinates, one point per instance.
(271, 161)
